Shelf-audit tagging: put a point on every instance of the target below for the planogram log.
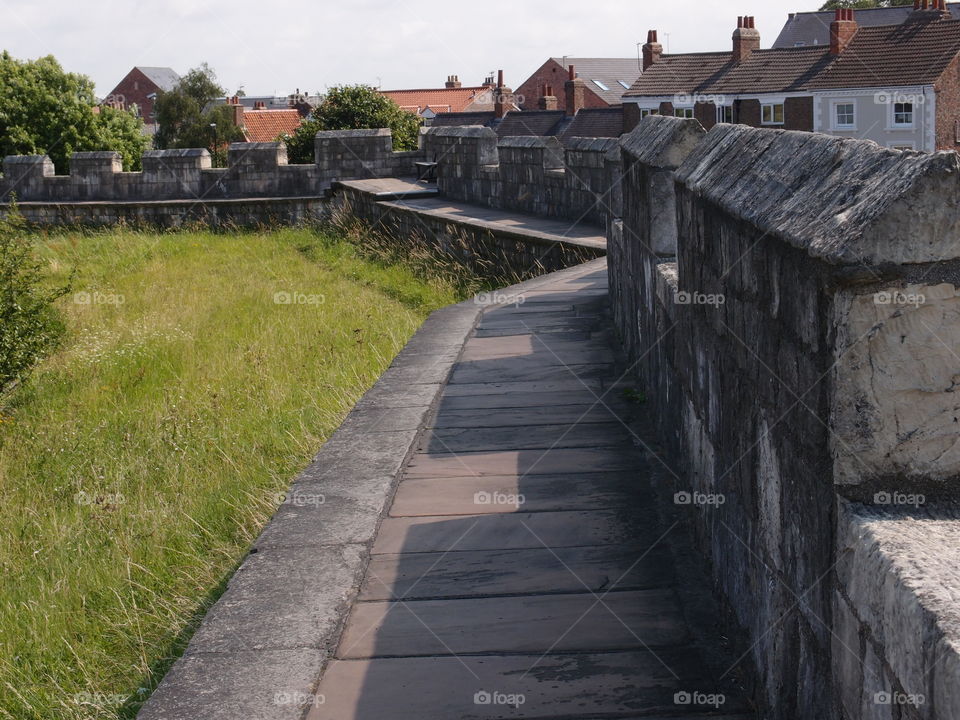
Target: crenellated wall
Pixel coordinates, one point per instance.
(176, 186)
(527, 174)
(790, 301)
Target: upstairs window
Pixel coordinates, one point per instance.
(625, 85)
(903, 114)
(683, 112)
(844, 116)
(725, 113)
(772, 114)
(600, 85)
(644, 112)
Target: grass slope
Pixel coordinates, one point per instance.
(141, 460)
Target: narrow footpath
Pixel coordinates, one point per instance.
(523, 570)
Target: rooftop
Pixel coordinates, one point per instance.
(609, 78)
(912, 53)
(813, 28)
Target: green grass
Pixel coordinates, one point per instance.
(140, 460)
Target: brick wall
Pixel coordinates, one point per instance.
(948, 107)
(134, 89)
(551, 73)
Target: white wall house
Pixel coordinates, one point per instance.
(903, 118)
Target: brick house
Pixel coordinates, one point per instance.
(574, 121)
(138, 90)
(263, 124)
(813, 28)
(427, 103)
(605, 80)
(898, 85)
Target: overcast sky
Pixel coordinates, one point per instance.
(275, 46)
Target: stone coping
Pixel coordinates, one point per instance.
(898, 621)
(261, 649)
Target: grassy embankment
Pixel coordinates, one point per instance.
(141, 459)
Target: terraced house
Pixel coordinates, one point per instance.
(898, 84)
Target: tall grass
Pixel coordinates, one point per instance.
(143, 457)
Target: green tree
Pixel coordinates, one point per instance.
(863, 4)
(45, 110)
(187, 117)
(354, 107)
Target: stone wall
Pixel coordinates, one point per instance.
(798, 350)
(527, 174)
(481, 247)
(191, 188)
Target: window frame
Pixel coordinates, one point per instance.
(684, 109)
(773, 114)
(835, 115)
(723, 110)
(646, 111)
(893, 116)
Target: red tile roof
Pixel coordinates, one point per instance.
(914, 53)
(442, 100)
(268, 125)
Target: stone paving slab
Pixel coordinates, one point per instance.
(572, 394)
(506, 389)
(532, 437)
(561, 333)
(610, 685)
(527, 417)
(508, 494)
(534, 623)
(515, 531)
(413, 576)
(523, 462)
(518, 369)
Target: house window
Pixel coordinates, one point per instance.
(683, 112)
(648, 111)
(903, 114)
(844, 116)
(625, 85)
(903, 146)
(772, 114)
(724, 113)
(600, 85)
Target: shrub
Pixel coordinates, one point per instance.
(30, 326)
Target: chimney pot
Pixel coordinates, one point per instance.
(842, 31)
(652, 50)
(746, 39)
(575, 91)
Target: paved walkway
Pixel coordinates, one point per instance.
(523, 571)
(420, 197)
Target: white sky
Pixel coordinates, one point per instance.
(275, 46)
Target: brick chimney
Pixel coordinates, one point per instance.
(503, 97)
(842, 30)
(237, 107)
(652, 50)
(548, 101)
(746, 39)
(453, 82)
(931, 8)
(576, 93)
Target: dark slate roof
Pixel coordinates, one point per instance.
(912, 53)
(462, 118)
(163, 77)
(609, 71)
(681, 74)
(813, 28)
(531, 122)
(595, 123)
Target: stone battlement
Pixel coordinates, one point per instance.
(254, 170)
(791, 303)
